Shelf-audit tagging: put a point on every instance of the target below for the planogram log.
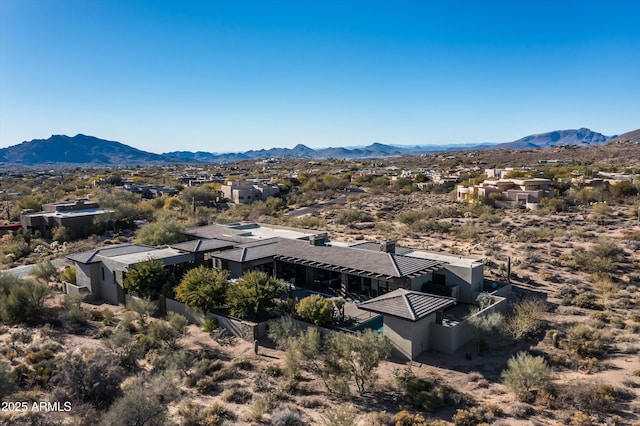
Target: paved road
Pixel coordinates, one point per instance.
(23, 271)
(316, 207)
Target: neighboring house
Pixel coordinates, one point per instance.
(9, 228)
(102, 271)
(248, 191)
(148, 191)
(78, 216)
(526, 192)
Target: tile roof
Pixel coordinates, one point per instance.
(250, 251)
(202, 245)
(347, 258)
(407, 304)
(371, 246)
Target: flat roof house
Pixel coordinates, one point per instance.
(102, 271)
(248, 191)
(76, 215)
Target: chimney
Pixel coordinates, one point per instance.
(318, 239)
(388, 246)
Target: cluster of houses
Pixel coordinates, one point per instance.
(411, 289)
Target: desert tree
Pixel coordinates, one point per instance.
(146, 279)
(253, 294)
(203, 289)
(357, 356)
(164, 231)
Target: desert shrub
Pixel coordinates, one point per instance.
(95, 380)
(349, 216)
(203, 289)
(107, 316)
(39, 356)
(526, 318)
(521, 410)
(62, 234)
(471, 417)
(237, 395)
(466, 232)
(282, 331)
(144, 402)
(23, 301)
(68, 274)
(423, 394)
(580, 418)
(425, 226)
(525, 372)
(7, 386)
(586, 341)
(160, 232)
(587, 300)
(600, 212)
(122, 345)
(486, 327)
(286, 417)
(405, 418)
(258, 409)
(594, 398)
(43, 270)
(210, 325)
(344, 415)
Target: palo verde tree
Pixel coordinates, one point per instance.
(253, 295)
(203, 289)
(146, 279)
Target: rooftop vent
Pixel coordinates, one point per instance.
(318, 239)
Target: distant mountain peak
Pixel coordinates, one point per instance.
(90, 150)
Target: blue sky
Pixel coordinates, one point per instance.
(234, 75)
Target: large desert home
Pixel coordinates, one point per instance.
(372, 276)
(526, 192)
(248, 191)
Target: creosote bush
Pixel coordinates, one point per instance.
(525, 373)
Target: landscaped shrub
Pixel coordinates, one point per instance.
(318, 310)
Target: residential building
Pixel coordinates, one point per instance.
(78, 216)
(248, 191)
(527, 192)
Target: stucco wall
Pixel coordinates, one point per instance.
(409, 338)
(469, 279)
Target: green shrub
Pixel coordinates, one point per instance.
(526, 372)
(423, 394)
(317, 310)
(210, 325)
(471, 417)
(586, 341)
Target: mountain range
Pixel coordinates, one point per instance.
(89, 150)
